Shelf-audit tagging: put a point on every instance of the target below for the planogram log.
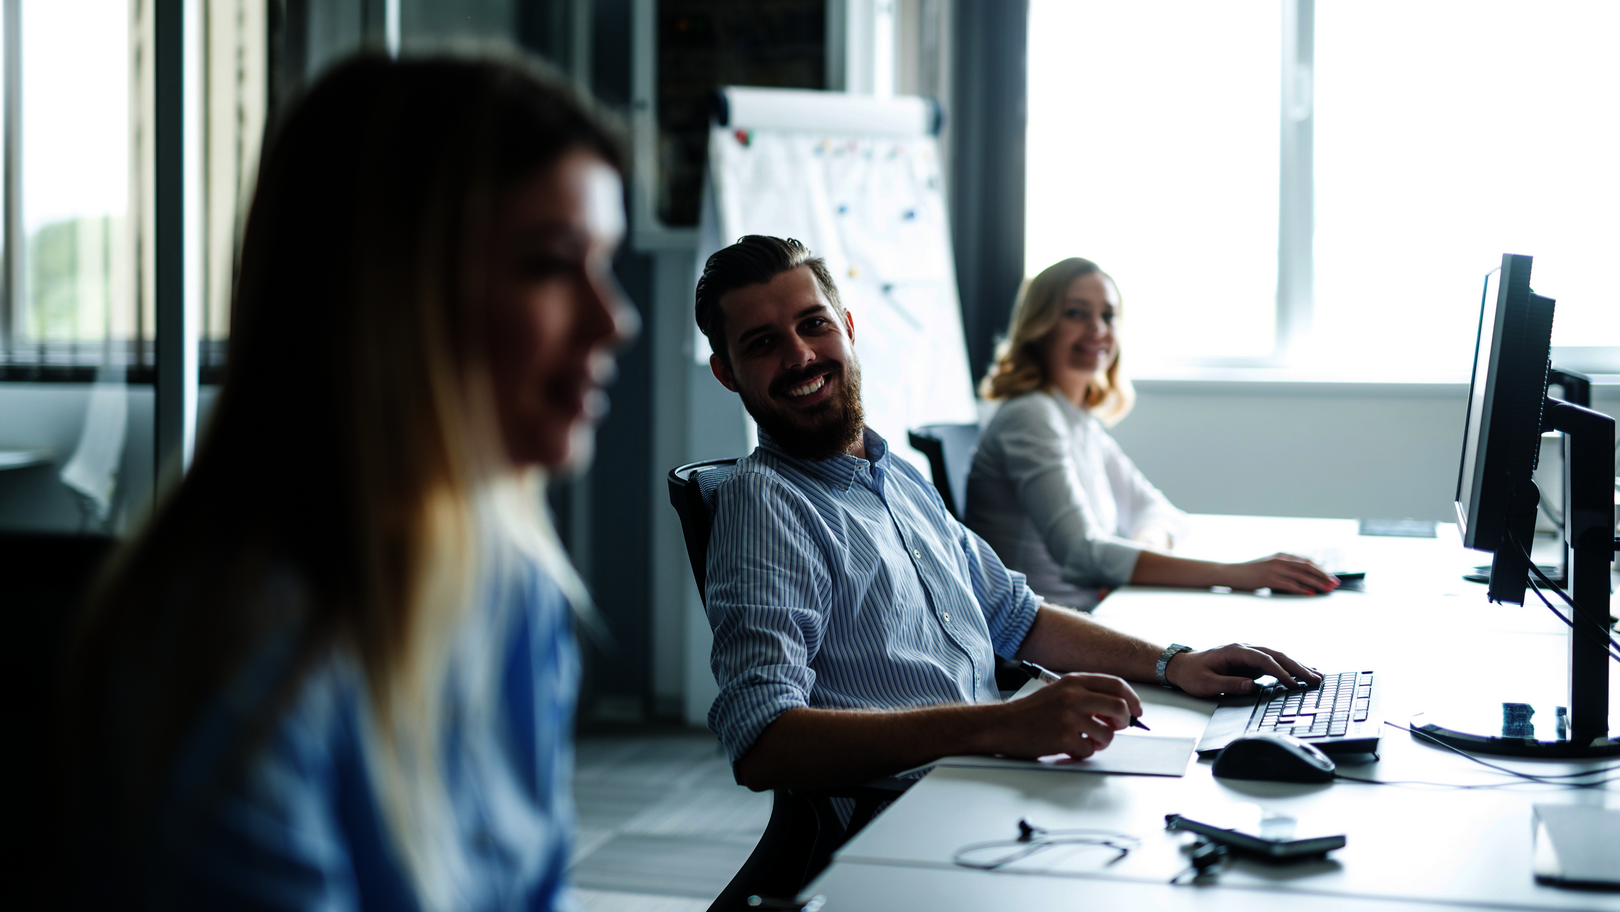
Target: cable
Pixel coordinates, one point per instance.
(1555, 517)
(1032, 839)
(1562, 780)
(1536, 571)
(1501, 769)
(1610, 646)
(1481, 786)
(1613, 650)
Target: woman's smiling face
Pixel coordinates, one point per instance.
(1082, 342)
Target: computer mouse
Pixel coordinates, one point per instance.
(1273, 758)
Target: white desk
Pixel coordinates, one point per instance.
(1427, 633)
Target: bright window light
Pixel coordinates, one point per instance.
(1152, 149)
(75, 169)
(1447, 134)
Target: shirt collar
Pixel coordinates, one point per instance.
(840, 471)
(1073, 412)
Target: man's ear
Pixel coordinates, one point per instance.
(722, 372)
(849, 324)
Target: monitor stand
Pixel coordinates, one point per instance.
(1580, 728)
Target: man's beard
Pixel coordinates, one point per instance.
(830, 430)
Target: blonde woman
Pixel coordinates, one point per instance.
(337, 671)
(1051, 491)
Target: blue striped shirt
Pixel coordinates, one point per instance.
(845, 584)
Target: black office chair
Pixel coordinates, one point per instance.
(805, 828)
(950, 449)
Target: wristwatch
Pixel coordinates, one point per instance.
(1170, 652)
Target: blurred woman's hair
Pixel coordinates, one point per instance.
(353, 447)
(1020, 367)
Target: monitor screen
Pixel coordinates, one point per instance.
(1476, 398)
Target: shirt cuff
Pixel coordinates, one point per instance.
(753, 699)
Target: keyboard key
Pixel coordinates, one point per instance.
(1324, 711)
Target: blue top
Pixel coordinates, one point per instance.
(845, 584)
(302, 829)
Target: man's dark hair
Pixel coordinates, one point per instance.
(754, 260)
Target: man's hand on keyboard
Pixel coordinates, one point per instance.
(1076, 715)
(1232, 669)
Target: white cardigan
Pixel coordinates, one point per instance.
(1058, 500)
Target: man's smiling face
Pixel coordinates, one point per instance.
(793, 363)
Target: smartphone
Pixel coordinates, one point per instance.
(1252, 829)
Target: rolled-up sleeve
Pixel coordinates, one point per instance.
(765, 602)
(1008, 604)
(1041, 468)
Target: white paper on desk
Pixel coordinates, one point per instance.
(1134, 755)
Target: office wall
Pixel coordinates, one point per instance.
(1305, 449)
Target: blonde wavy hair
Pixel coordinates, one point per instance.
(1019, 368)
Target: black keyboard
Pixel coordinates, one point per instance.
(1340, 715)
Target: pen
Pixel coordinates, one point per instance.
(1047, 676)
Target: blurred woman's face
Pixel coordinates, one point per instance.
(558, 312)
(1082, 342)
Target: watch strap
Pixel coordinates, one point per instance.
(1170, 652)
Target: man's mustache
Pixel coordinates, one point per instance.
(800, 377)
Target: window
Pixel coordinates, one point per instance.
(71, 266)
(1153, 145)
(78, 148)
(1447, 135)
(1431, 139)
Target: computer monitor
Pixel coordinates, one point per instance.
(1508, 409)
(1496, 490)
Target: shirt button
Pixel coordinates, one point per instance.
(917, 554)
(947, 618)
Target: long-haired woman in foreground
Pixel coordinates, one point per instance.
(1051, 491)
(337, 669)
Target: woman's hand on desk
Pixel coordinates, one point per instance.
(1232, 669)
(1280, 573)
(1075, 715)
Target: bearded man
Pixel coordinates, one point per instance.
(856, 623)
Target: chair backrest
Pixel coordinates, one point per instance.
(691, 493)
(950, 449)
